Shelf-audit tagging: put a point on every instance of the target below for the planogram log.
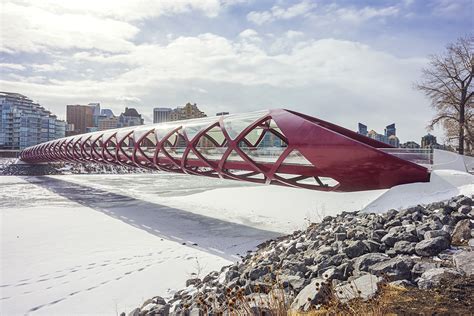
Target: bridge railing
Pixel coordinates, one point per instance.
(420, 156)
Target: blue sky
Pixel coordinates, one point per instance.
(343, 61)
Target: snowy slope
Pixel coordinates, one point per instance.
(59, 257)
(273, 208)
(443, 185)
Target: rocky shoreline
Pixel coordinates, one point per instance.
(9, 167)
(350, 256)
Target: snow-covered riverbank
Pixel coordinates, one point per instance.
(98, 244)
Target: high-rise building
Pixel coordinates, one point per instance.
(390, 130)
(60, 129)
(95, 115)
(362, 129)
(410, 144)
(82, 116)
(108, 122)
(107, 113)
(394, 141)
(161, 115)
(130, 118)
(189, 111)
(389, 136)
(374, 135)
(24, 123)
(429, 141)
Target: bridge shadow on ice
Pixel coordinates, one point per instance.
(221, 238)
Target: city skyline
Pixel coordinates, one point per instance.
(343, 61)
(110, 112)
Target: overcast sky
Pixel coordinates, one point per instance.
(344, 61)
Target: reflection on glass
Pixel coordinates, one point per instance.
(234, 125)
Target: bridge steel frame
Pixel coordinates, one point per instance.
(314, 154)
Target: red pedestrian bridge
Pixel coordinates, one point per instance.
(279, 147)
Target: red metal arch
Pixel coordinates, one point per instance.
(310, 153)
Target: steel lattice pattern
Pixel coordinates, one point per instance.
(274, 147)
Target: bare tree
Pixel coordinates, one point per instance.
(448, 83)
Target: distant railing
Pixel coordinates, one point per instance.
(421, 156)
(9, 153)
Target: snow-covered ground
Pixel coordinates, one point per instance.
(101, 244)
(273, 208)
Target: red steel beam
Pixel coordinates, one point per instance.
(309, 152)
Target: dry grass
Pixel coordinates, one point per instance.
(378, 305)
(270, 298)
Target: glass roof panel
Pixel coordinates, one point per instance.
(193, 127)
(235, 124)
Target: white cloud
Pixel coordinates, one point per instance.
(328, 14)
(324, 78)
(364, 14)
(128, 99)
(450, 8)
(31, 29)
(47, 67)
(125, 10)
(106, 25)
(248, 33)
(12, 66)
(278, 13)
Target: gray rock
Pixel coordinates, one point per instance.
(340, 236)
(363, 262)
(336, 259)
(316, 292)
(461, 232)
(471, 242)
(294, 266)
(398, 233)
(258, 272)
(355, 249)
(378, 234)
(401, 283)
(291, 251)
(456, 217)
(294, 281)
(364, 287)
(322, 251)
(373, 246)
(194, 281)
(135, 312)
(392, 223)
(465, 209)
(437, 233)
(464, 261)
(404, 247)
(432, 277)
(420, 267)
(464, 200)
(408, 236)
(390, 239)
(398, 268)
(339, 273)
(161, 310)
(435, 224)
(230, 275)
(159, 300)
(431, 247)
(448, 209)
